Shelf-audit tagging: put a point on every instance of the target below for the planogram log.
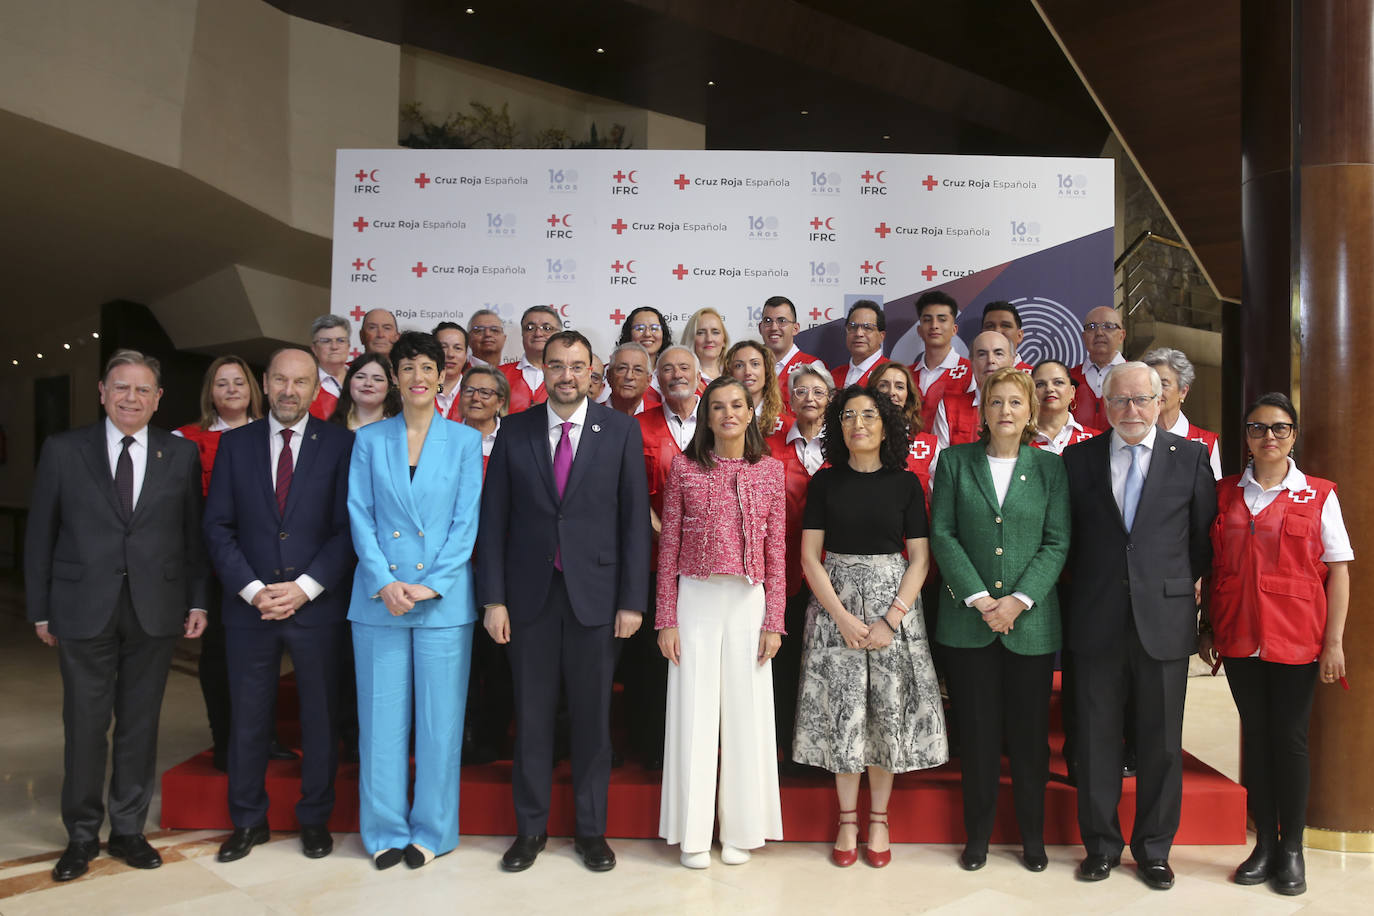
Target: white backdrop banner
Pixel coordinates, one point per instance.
(435, 235)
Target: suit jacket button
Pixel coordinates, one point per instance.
(420, 533)
(282, 535)
(419, 566)
(1130, 547)
(997, 584)
(548, 559)
(998, 551)
(395, 534)
(393, 567)
(998, 520)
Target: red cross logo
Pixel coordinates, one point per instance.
(552, 220)
(681, 181)
(920, 449)
(617, 266)
(882, 229)
(1303, 496)
(959, 371)
(929, 273)
(357, 313)
(619, 226)
(867, 176)
(930, 182)
(619, 176)
(354, 353)
(815, 314)
(617, 316)
(423, 180)
(865, 266)
(358, 264)
(362, 175)
(360, 224)
(419, 269)
(817, 222)
(679, 271)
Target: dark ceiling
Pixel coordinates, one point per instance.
(955, 76)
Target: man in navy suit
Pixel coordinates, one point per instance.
(276, 525)
(563, 571)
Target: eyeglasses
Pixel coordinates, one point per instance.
(486, 329)
(1141, 401)
(578, 369)
(850, 417)
(1260, 430)
(861, 326)
(331, 341)
(627, 369)
(819, 393)
(485, 394)
(646, 328)
(780, 322)
(598, 378)
(1108, 326)
(531, 327)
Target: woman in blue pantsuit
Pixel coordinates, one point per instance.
(413, 492)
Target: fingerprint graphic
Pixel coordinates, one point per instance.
(1052, 331)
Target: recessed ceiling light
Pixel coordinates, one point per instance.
(95, 334)
(14, 362)
(469, 11)
(805, 112)
(600, 50)
(66, 346)
(710, 82)
(887, 136)
(40, 355)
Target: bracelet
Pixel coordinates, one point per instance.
(897, 600)
(888, 625)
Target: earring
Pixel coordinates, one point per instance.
(441, 387)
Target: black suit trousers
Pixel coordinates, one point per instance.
(120, 671)
(1106, 678)
(551, 645)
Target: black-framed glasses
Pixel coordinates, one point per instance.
(483, 393)
(1260, 430)
(531, 327)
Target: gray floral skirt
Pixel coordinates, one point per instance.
(859, 707)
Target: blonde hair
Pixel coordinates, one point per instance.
(689, 334)
(208, 414)
(1023, 381)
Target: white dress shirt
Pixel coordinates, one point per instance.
(1335, 540)
(926, 377)
(808, 450)
(682, 430)
(578, 420)
(1061, 438)
(138, 453)
(330, 383)
(308, 585)
(1180, 428)
(1121, 462)
(489, 439)
(857, 372)
(1096, 376)
(218, 426)
(780, 363)
(444, 399)
(533, 375)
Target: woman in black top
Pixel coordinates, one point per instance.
(870, 700)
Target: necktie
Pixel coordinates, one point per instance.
(285, 467)
(124, 478)
(562, 466)
(1130, 492)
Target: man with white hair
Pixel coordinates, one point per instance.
(628, 375)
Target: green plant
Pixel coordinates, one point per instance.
(488, 128)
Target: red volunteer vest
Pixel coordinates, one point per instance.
(207, 442)
(956, 379)
(1088, 409)
(796, 481)
(963, 417)
(323, 406)
(521, 397)
(842, 370)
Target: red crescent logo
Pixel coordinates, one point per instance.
(629, 266)
(372, 174)
(369, 263)
(565, 220)
(878, 266)
(563, 310)
(829, 220)
(631, 175)
(879, 176)
(827, 313)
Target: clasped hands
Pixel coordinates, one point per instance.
(279, 600)
(401, 597)
(860, 635)
(999, 613)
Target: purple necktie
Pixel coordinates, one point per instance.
(124, 477)
(285, 467)
(562, 466)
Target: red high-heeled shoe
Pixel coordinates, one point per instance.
(846, 857)
(877, 859)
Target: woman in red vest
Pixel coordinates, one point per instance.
(1176, 377)
(1057, 429)
(896, 382)
(752, 364)
(1280, 587)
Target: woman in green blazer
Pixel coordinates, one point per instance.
(1000, 532)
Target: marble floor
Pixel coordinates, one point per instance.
(788, 878)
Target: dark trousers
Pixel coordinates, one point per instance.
(551, 646)
(1275, 703)
(644, 672)
(997, 694)
(1105, 680)
(787, 670)
(254, 670)
(213, 671)
(122, 671)
(490, 706)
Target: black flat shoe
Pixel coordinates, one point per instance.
(416, 856)
(316, 842)
(75, 860)
(242, 841)
(971, 859)
(1035, 861)
(387, 858)
(1097, 868)
(595, 853)
(1257, 868)
(524, 851)
(1289, 874)
(134, 849)
(1156, 873)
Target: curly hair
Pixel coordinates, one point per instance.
(772, 391)
(911, 410)
(892, 451)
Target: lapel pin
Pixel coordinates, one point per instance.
(1173, 448)
(159, 453)
(596, 427)
(314, 436)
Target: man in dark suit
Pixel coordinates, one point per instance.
(1143, 501)
(563, 570)
(114, 572)
(276, 524)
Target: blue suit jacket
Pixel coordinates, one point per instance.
(417, 531)
(601, 523)
(249, 539)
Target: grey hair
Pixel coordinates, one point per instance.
(1156, 388)
(636, 347)
(127, 357)
(696, 363)
(480, 313)
(328, 321)
(1176, 360)
(805, 369)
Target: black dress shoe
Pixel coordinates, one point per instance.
(1035, 861)
(1096, 868)
(133, 848)
(1156, 873)
(316, 842)
(595, 853)
(242, 841)
(1289, 873)
(972, 859)
(278, 751)
(1257, 868)
(387, 858)
(524, 851)
(74, 860)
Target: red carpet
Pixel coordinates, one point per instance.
(925, 806)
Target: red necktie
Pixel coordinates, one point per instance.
(285, 466)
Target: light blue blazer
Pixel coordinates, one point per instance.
(420, 532)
